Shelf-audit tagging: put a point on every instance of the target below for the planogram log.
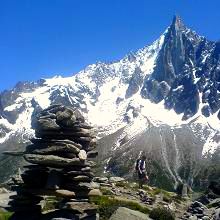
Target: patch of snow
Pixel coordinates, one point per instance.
(210, 145)
(13, 107)
(59, 80)
(178, 88)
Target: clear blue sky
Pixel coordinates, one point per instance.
(42, 38)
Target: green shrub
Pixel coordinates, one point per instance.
(5, 215)
(166, 198)
(107, 206)
(106, 191)
(123, 184)
(50, 203)
(156, 191)
(177, 198)
(161, 214)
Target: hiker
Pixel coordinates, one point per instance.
(141, 170)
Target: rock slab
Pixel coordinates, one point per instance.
(125, 213)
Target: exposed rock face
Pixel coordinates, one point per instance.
(60, 167)
(174, 154)
(185, 63)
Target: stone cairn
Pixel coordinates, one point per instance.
(58, 167)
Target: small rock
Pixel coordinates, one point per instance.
(205, 218)
(100, 179)
(116, 179)
(193, 217)
(198, 204)
(82, 155)
(65, 193)
(95, 192)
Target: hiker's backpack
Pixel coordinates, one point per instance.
(136, 166)
(137, 163)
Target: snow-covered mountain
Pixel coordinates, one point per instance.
(166, 96)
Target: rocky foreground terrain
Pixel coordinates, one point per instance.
(120, 197)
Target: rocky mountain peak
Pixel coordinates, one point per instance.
(177, 22)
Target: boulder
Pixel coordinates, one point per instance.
(95, 192)
(80, 207)
(216, 214)
(125, 213)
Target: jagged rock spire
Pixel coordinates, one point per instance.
(177, 22)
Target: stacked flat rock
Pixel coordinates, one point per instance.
(58, 166)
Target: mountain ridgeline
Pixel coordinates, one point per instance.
(163, 100)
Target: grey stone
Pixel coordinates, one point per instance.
(82, 155)
(47, 124)
(95, 192)
(82, 178)
(91, 185)
(80, 207)
(205, 218)
(116, 179)
(62, 115)
(100, 179)
(67, 148)
(217, 214)
(198, 204)
(125, 213)
(74, 173)
(193, 217)
(53, 161)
